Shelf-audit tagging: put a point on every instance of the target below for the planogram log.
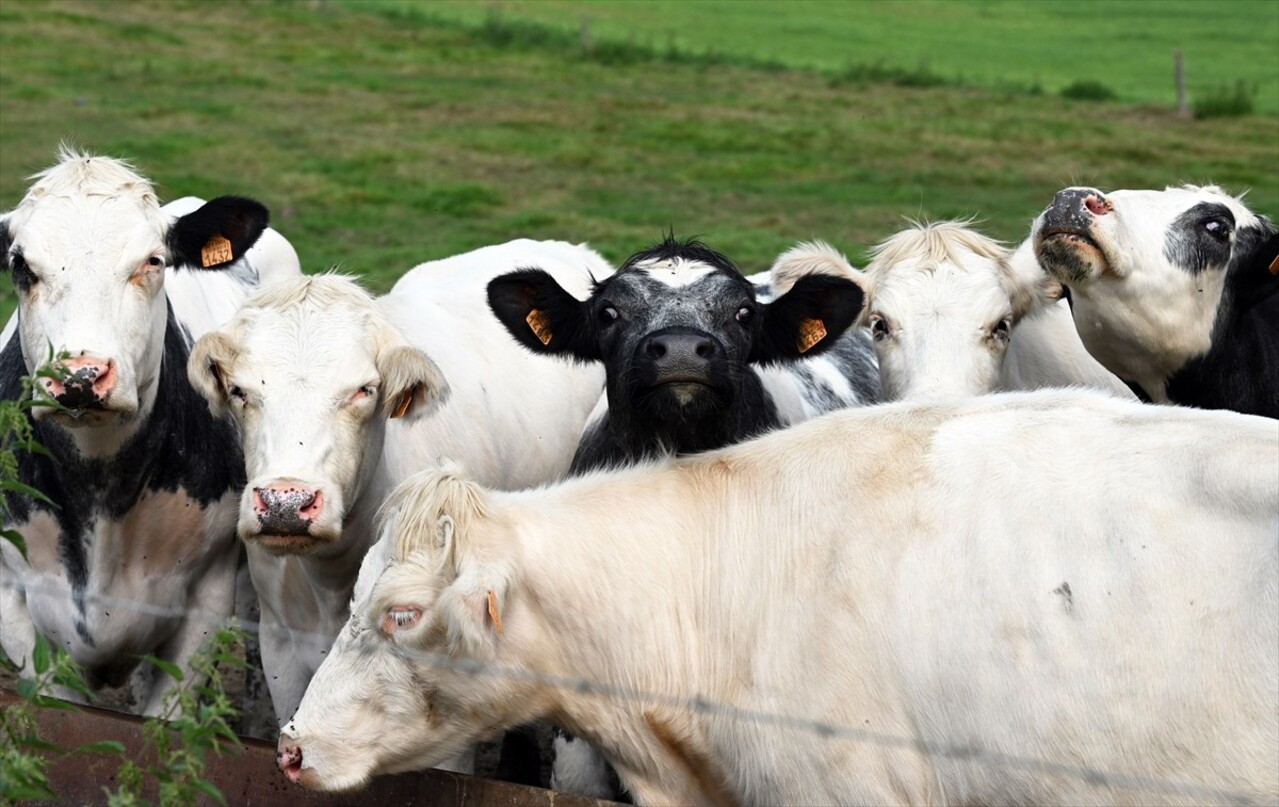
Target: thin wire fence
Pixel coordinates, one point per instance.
(700, 705)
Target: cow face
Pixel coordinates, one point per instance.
(943, 305)
(311, 372)
(1146, 271)
(675, 328)
(87, 248)
(398, 690)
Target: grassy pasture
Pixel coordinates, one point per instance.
(381, 141)
(1126, 45)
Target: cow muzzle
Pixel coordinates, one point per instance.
(80, 384)
(1066, 235)
(286, 511)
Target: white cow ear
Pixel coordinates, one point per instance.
(472, 609)
(211, 359)
(812, 258)
(412, 384)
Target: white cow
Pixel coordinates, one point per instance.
(1176, 291)
(144, 482)
(953, 313)
(1053, 597)
(339, 397)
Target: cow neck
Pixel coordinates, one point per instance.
(1239, 368)
(177, 445)
(627, 438)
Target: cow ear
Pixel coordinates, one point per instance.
(808, 318)
(541, 315)
(218, 233)
(211, 360)
(472, 609)
(412, 384)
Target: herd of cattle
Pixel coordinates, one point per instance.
(992, 576)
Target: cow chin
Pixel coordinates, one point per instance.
(111, 413)
(685, 399)
(1071, 257)
(313, 540)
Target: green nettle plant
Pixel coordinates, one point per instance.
(196, 712)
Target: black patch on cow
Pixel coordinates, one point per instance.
(179, 446)
(1067, 597)
(1240, 371)
(1199, 239)
(6, 241)
(236, 218)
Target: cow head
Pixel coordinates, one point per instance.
(398, 689)
(944, 303)
(87, 248)
(311, 371)
(676, 328)
(1147, 270)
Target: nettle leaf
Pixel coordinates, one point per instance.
(14, 537)
(26, 688)
(38, 744)
(40, 656)
(168, 667)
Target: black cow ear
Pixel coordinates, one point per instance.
(217, 234)
(808, 319)
(541, 315)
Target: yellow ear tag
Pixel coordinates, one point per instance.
(811, 331)
(217, 251)
(540, 325)
(402, 406)
(1274, 266)
(494, 615)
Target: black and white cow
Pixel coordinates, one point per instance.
(1174, 291)
(144, 482)
(694, 360)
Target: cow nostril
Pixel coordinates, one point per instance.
(1097, 206)
(655, 350)
(704, 350)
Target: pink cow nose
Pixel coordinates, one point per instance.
(1098, 205)
(85, 381)
(287, 507)
(289, 759)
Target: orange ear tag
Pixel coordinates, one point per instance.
(540, 325)
(402, 406)
(494, 615)
(217, 251)
(811, 331)
(1274, 266)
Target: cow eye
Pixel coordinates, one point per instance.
(399, 617)
(364, 393)
(1217, 228)
(23, 277)
(744, 315)
(237, 393)
(879, 329)
(608, 315)
(1001, 330)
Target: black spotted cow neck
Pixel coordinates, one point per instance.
(180, 445)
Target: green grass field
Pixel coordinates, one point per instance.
(381, 141)
(1126, 45)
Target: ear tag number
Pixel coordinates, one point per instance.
(217, 251)
(811, 331)
(540, 324)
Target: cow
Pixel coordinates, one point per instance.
(1174, 291)
(694, 360)
(135, 550)
(1027, 598)
(339, 396)
(954, 313)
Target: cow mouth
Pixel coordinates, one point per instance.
(290, 544)
(1070, 253)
